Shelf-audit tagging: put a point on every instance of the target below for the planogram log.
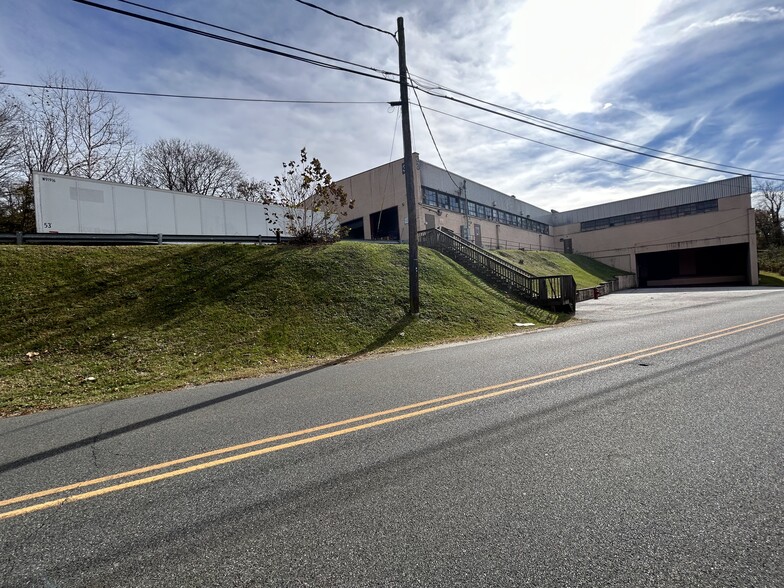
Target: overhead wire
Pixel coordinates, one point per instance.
(233, 41)
(387, 76)
(254, 37)
(555, 146)
(191, 96)
(437, 86)
(356, 22)
(432, 138)
(389, 167)
(582, 138)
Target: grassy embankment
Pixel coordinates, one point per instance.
(771, 265)
(587, 272)
(88, 324)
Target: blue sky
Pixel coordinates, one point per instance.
(703, 79)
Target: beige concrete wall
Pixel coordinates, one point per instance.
(378, 189)
(617, 246)
(384, 187)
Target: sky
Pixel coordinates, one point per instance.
(700, 79)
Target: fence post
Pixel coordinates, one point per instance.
(542, 289)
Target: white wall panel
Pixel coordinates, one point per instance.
(187, 210)
(160, 212)
(234, 213)
(96, 207)
(257, 224)
(130, 210)
(212, 220)
(56, 211)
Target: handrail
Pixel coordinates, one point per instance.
(550, 291)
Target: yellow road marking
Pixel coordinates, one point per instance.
(524, 383)
(233, 448)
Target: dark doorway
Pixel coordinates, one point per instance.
(384, 225)
(356, 228)
(704, 266)
(430, 221)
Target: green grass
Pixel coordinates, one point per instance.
(587, 272)
(771, 279)
(88, 324)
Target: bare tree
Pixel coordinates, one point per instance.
(253, 190)
(197, 168)
(16, 205)
(311, 199)
(770, 201)
(8, 138)
(80, 132)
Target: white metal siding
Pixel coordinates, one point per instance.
(65, 204)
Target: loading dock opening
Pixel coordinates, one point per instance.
(356, 229)
(384, 225)
(719, 265)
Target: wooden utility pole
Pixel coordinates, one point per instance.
(408, 165)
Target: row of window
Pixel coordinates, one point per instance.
(651, 215)
(451, 202)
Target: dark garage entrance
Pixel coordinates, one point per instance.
(720, 265)
(384, 225)
(356, 228)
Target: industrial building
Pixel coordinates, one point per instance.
(699, 235)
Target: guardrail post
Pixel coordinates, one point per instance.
(19, 238)
(160, 239)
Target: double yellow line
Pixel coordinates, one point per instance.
(206, 460)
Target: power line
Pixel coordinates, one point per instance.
(588, 139)
(234, 41)
(191, 96)
(269, 41)
(432, 138)
(427, 91)
(437, 86)
(389, 169)
(356, 22)
(556, 146)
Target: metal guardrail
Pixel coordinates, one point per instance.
(130, 239)
(559, 292)
(617, 284)
(493, 243)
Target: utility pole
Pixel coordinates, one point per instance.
(408, 164)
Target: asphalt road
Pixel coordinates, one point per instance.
(641, 446)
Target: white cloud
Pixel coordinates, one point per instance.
(562, 51)
(634, 70)
(767, 14)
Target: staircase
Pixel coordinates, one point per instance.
(553, 292)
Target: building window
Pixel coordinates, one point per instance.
(453, 202)
(650, 215)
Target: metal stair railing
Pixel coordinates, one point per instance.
(558, 292)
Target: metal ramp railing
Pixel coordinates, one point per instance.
(555, 292)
